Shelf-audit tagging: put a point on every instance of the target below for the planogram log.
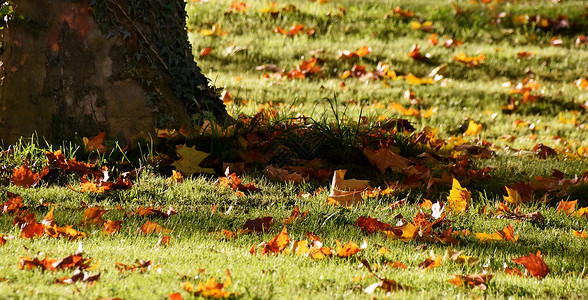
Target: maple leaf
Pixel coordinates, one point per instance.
(233, 182)
(346, 192)
(567, 207)
(210, 288)
(93, 216)
(404, 232)
(4, 238)
(469, 60)
(95, 143)
(277, 244)
(505, 234)
(579, 234)
(295, 215)
(24, 176)
(459, 198)
(473, 128)
(430, 262)
(370, 225)
(110, 227)
(140, 266)
(258, 225)
(151, 227)
(190, 159)
(284, 175)
(79, 276)
(349, 249)
(479, 280)
(13, 204)
(534, 264)
(513, 196)
(384, 158)
(582, 83)
(416, 54)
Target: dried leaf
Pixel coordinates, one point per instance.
(24, 176)
(534, 264)
(258, 225)
(152, 227)
(459, 198)
(93, 216)
(479, 280)
(277, 244)
(346, 192)
(190, 159)
(110, 227)
(348, 249)
(383, 159)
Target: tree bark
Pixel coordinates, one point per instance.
(71, 69)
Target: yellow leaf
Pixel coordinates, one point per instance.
(513, 196)
(473, 128)
(346, 191)
(459, 198)
(190, 159)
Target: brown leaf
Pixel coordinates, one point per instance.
(348, 249)
(430, 263)
(24, 176)
(13, 205)
(258, 225)
(93, 216)
(371, 225)
(346, 192)
(383, 159)
(110, 227)
(534, 264)
(567, 207)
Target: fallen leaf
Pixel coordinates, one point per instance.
(473, 128)
(469, 60)
(140, 266)
(295, 215)
(430, 262)
(93, 216)
(479, 280)
(580, 234)
(416, 54)
(24, 176)
(567, 207)
(152, 227)
(79, 276)
(348, 249)
(210, 288)
(95, 143)
(346, 192)
(459, 198)
(505, 234)
(111, 227)
(384, 158)
(258, 225)
(534, 264)
(277, 244)
(190, 159)
(371, 225)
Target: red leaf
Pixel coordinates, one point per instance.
(534, 264)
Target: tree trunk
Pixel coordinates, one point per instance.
(76, 68)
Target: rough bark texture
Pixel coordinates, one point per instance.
(76, 68)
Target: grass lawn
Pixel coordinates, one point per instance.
(521, 109)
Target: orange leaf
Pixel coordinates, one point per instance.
(416, 54)
(206, 51)
(151, 227)
(141, 266)
(433, 39)
(95, 143)
(348, 249)
(505, 234)
(93, 216)
(24, 176)
(581, 83)
(31, 230)
(295, 216)
(580, 234)
(210, 288)
(567, 207)
(534, 264)
(459, 198)
(277, 244)
(175, 296)
(110, 227)
(363, 51)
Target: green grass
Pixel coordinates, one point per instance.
(464, 93)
